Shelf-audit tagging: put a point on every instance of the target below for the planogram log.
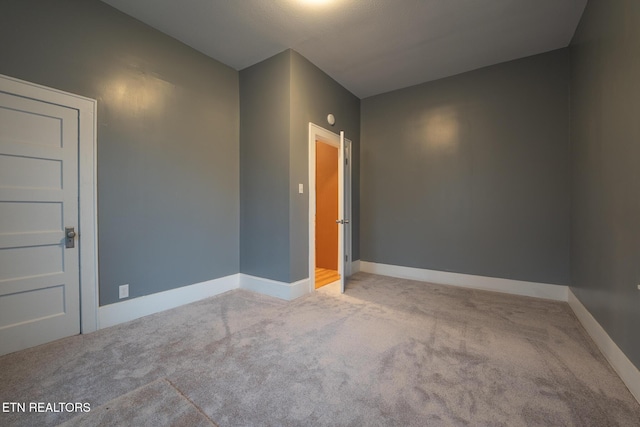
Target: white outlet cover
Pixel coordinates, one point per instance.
(124, 291)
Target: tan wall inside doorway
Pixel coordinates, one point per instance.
(326, 206)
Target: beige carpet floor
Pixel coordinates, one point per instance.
(389, 352)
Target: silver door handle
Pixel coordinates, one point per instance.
(339, 221)
(69, 234)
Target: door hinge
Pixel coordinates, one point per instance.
(346, 257)
(346, 160)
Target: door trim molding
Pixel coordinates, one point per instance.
(87, 187)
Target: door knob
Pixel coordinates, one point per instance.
(69, 234)
(339, 221)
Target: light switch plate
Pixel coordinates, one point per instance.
(300, 188)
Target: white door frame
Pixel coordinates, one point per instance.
(347, 207)
(317, 133)
(87, 188)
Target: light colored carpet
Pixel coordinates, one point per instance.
(156, 404)
(388, 352)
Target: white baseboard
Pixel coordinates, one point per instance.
(282, 290)
(124, 311)
(515, 287)
(355, 266)
(618, 360)
(120, 312)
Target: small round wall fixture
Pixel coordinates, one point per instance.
(331, 120)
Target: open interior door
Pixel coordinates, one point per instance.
(342, 221)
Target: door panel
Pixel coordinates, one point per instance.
(25, 217)
(33, 304)
(24, 126)
(17, 172)
(341, 234)
(39, 277)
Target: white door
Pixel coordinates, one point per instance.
(39, 275)
(342, 221)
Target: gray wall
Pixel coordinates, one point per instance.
(313, 96)
(605, 102)
(168, 119)
(279, 97)
(470, 173)
(264, 171)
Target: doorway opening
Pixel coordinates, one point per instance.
(329, 207)
(327, 214)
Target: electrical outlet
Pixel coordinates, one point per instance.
(124, 291)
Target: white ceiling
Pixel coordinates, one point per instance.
(368, 46)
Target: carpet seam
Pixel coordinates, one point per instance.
(191, 402)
